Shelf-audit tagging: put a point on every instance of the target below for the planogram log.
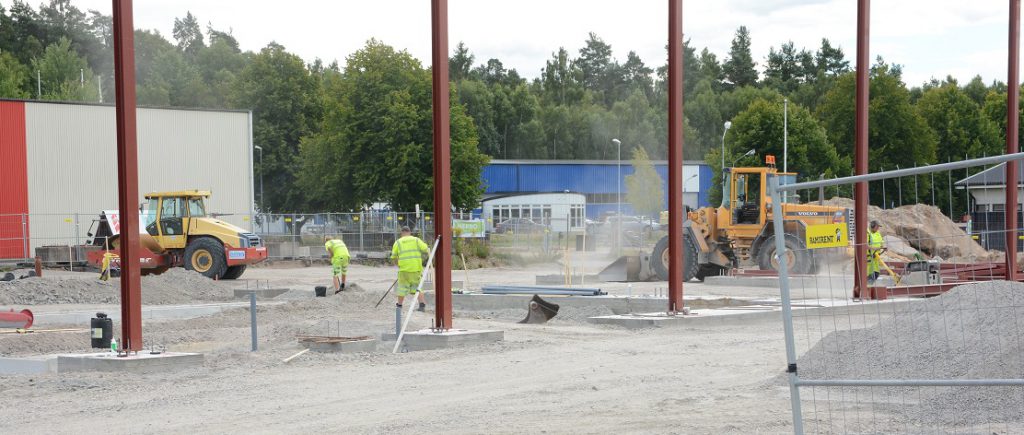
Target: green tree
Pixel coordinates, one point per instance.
(287, 105)
(461, 63)
(830, 60)
(65, 75)
(189, 35)
(376, 140)
(740, 67)
(960, 126)
(644, 186)
(13, 77)
(898, 135)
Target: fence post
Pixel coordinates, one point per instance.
(77, 232)
(252, 319)
(787, 311)
(361, 247)
(24, 234)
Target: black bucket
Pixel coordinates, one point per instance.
(321, 291)
(102, 329)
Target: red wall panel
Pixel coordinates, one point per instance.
(13, 180)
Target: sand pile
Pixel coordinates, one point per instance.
(972, 332)
(924, 228)
(176, 286)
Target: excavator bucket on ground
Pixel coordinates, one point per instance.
(540, 311)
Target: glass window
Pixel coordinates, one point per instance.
(171, 207)
(998, 207)
(196, 208)
(149, 215)
(727, 189)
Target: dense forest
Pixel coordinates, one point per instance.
(323, 125)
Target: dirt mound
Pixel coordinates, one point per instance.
(176, 286)
(926, 229)
(970, 332)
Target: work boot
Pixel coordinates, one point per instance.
(340, 289)
(398, 305)
(422, 308)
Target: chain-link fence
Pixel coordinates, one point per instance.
(65, 238)
(934, 343)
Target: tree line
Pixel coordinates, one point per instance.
(343, 136)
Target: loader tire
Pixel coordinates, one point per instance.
(206, 256)
(659, 259)
(234, 272)
(798, 259)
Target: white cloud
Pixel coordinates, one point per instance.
(930, 38)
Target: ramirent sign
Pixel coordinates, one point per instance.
(827, 236)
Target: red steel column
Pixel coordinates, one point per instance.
(860, 194)
(127, 175)
(1012, 144)
(442, 167)
(675, 156)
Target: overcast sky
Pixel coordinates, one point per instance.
(930, 38)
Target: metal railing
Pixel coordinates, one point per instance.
(892, 360)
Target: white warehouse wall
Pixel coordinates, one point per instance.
(72, 163)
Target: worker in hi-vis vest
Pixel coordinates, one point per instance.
(339, 261)
(875, 245)
(408, 253)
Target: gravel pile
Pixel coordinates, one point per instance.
(175, 286)
(925, 228)
(971, 332)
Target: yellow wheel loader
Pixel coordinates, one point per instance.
(738, 233)
(176, 231)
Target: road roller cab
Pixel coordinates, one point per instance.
(177, 231)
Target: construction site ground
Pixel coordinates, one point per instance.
(564, 376)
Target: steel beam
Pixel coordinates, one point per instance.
(860, 194)
(675, 156)
(442, 167)
(127, 175)
(1012, 144)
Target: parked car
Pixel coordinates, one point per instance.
(519, 225)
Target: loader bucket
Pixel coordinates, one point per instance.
(540, 311)
(628, 268)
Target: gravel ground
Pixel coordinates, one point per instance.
(175, 286)
(971, 332)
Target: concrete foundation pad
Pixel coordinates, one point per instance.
(796, 283)
(426, 339)
(28, 365)
(143, 362)
(617, 304)
(263, 293)
(339, 344)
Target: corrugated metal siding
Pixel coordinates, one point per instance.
(500, 178)
(13, 180)
(72, 163)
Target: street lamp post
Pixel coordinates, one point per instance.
(260, 149)
(728, 125)
(618, 194)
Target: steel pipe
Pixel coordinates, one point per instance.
(675, 156)
(127, 174)
(442, 166)
(1012, 144)
(20, 320)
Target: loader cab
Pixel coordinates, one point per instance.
(167, 215)
(744, 196)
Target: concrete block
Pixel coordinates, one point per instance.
(636, 321)
(263, 293)
(456, 284)
(426, 339)
(28, 365)
(559, 279)
(142, 362)
(339, 344)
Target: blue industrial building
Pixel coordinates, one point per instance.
(596, 179)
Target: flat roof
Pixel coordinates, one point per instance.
(584, 162)
(138, 106)
(994, 176)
